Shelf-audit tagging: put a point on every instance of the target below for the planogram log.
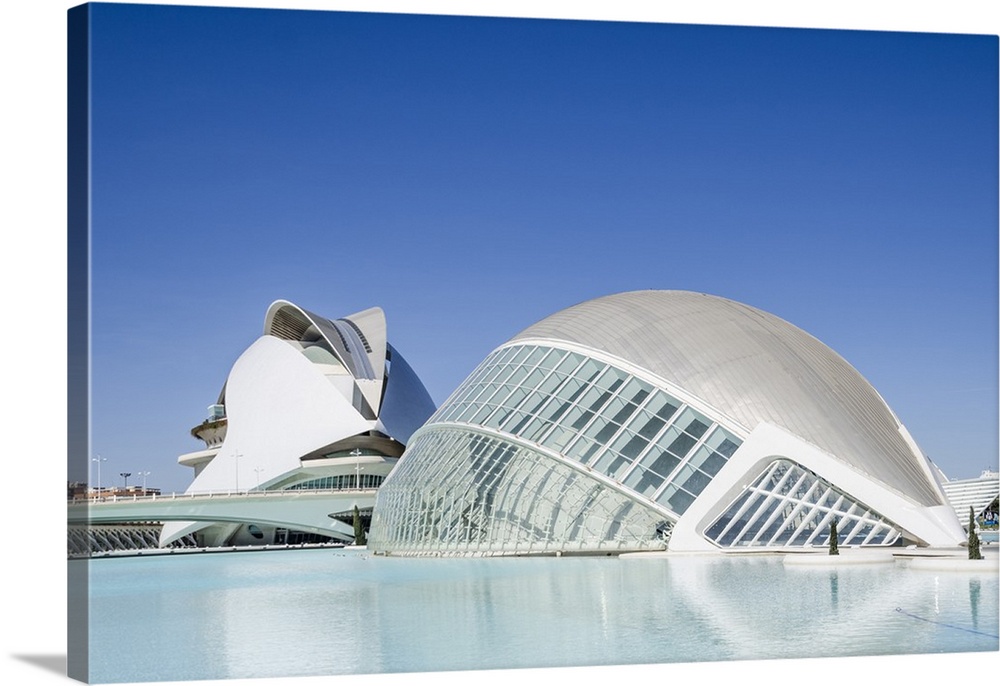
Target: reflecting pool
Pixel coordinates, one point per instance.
(342, 611)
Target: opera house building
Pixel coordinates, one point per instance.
(650, 420)
(312, 405)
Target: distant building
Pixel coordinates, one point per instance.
(76, 490)
(660, 420)
(980, 493)
(313, 404)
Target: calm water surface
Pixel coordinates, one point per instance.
(329, 611)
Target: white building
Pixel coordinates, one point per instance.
(660, 420)
(979, 493)
(313, 404)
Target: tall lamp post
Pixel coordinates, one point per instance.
(125, 475)
(258, 470)
(236, 460)
(143, 475)
(357, 467)
(99, 460)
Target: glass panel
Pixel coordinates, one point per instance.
(487, 391)
(534, 378)
(663, 406)
(602, 431)
(551, 359)
(534, 402)
(533, 429)
(860, 534)
(700, 456)
(505, 355)
(661, 462)
(713, 463)
(569, 363)
(611, 379)
(590, 370)
(535, 356)
(482, 414)
(728, 447)
(630, 445)
(696, 482)
(803, 488)
(643, 481)
(499, 375)
(521, 354)
(580, 447)
(517, 376)
(512, 420)
(559, 438)
(681, 445)
(514, 398)
(555, 409)
(613, 410)
(693, 422)
(714, 531)
(611, 464)
(636, 390)
(571, 390)
(680, 501)
(647, 425)
(580, 421)
(551, 382)
(590, 453)
(594, 399)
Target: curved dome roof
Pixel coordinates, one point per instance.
(753, 367)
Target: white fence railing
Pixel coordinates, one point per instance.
(204, 495)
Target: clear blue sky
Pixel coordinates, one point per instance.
(471, 176)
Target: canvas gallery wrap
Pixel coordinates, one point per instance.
(408, 344)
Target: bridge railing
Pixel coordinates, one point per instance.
(202, 495)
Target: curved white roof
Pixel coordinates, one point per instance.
(753, 367)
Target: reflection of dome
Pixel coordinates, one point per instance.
(656, 418)
(314, 403)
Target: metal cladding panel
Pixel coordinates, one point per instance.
(753, 367)
(370, 325)
(406, 404)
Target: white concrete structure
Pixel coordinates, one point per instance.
(656, 419)
(312, 404)
(980, 494)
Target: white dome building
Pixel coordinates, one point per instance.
(660, 420)
(313, 404)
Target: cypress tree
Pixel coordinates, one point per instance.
(359, 531)
(833, 538)
(974, 553)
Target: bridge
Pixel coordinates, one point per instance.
(312, 511)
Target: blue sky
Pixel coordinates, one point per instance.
(471, 176)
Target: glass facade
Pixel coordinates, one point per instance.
(594, 413)
(656, 448)
(790, 506)
(339, 482)
(463, 492)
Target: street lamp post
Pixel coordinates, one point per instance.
(357, 467)
(236, 459)
(99, 460)
(258, 470)
(125, 476)
(143, 475)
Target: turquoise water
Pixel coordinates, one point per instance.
(329, 611)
